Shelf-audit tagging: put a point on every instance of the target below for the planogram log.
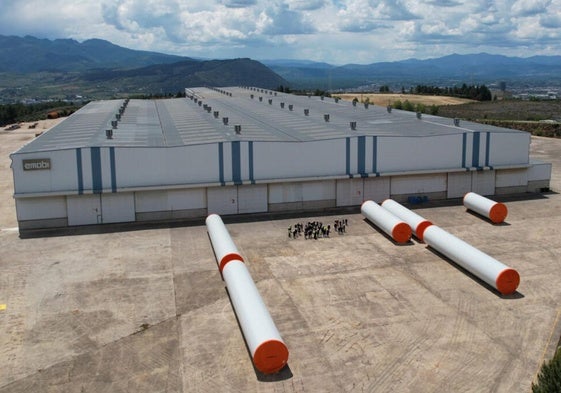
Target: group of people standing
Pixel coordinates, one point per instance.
(316, 229)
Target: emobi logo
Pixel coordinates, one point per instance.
(37, 164)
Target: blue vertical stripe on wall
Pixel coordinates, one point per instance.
(375, 155)
(97, 184)
(221, 162)
(475, 152)
(348, 157)
(113, 169)
(236, 163)
(250, 148)
(361, 156)
(464, 147)
(79, 171)
(487, 148)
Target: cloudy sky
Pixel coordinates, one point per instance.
(335, 31)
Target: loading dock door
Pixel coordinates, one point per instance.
(117, 208)
(84, 209)
(222, 200)
(483, 182)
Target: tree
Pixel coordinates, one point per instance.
(407, 106)
(549, 378)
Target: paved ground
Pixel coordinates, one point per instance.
(147, 311)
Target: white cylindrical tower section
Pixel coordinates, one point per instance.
(222, 244)
(417, 223)
(494, 211)
(265, 344)
(486, 268)
(383, 219)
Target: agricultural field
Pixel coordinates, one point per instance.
(390, 98)
(541, 118)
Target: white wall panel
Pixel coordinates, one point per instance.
(319, 190)
(418, 184)
(483, 182)
(539, 171)
(138, 167)
(222, 200)
(151, 201)
(511, 177)
(252, 198)
(377, 188)
(83, 209)
(509, 148)
(285, 192)
(41, 208)
(187, 199)
(350, 192)
(117, 207)
(61, 177)
(459, 184)
(397, 154)
(280, 160)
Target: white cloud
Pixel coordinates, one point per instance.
(338, 31)
(530, 7)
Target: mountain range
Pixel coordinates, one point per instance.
(33, 67)
(448, 70)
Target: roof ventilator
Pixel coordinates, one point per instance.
(225, 121)
(238, 129)
(216, 114)
(270, 101)
(419, 115)
(389, 108)
(326, 117)
(282, 104)
(457, 122)
(290, 107)
(306, 112)
(109, 133)
(366, 105)
(353, 125)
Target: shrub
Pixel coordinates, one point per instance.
(549, 377)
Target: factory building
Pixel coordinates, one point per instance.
(242, 150)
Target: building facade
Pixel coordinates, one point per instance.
(243, 150)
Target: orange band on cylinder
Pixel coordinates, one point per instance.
(498, 213)
(507, 281)
(401, 232)
(227, 258)
(421, 229)
(270, 356)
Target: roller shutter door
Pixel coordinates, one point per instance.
(222, 200)
(84, 209)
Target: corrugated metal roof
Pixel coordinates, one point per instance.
(268, 116)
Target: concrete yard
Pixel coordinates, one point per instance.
(145, 309)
